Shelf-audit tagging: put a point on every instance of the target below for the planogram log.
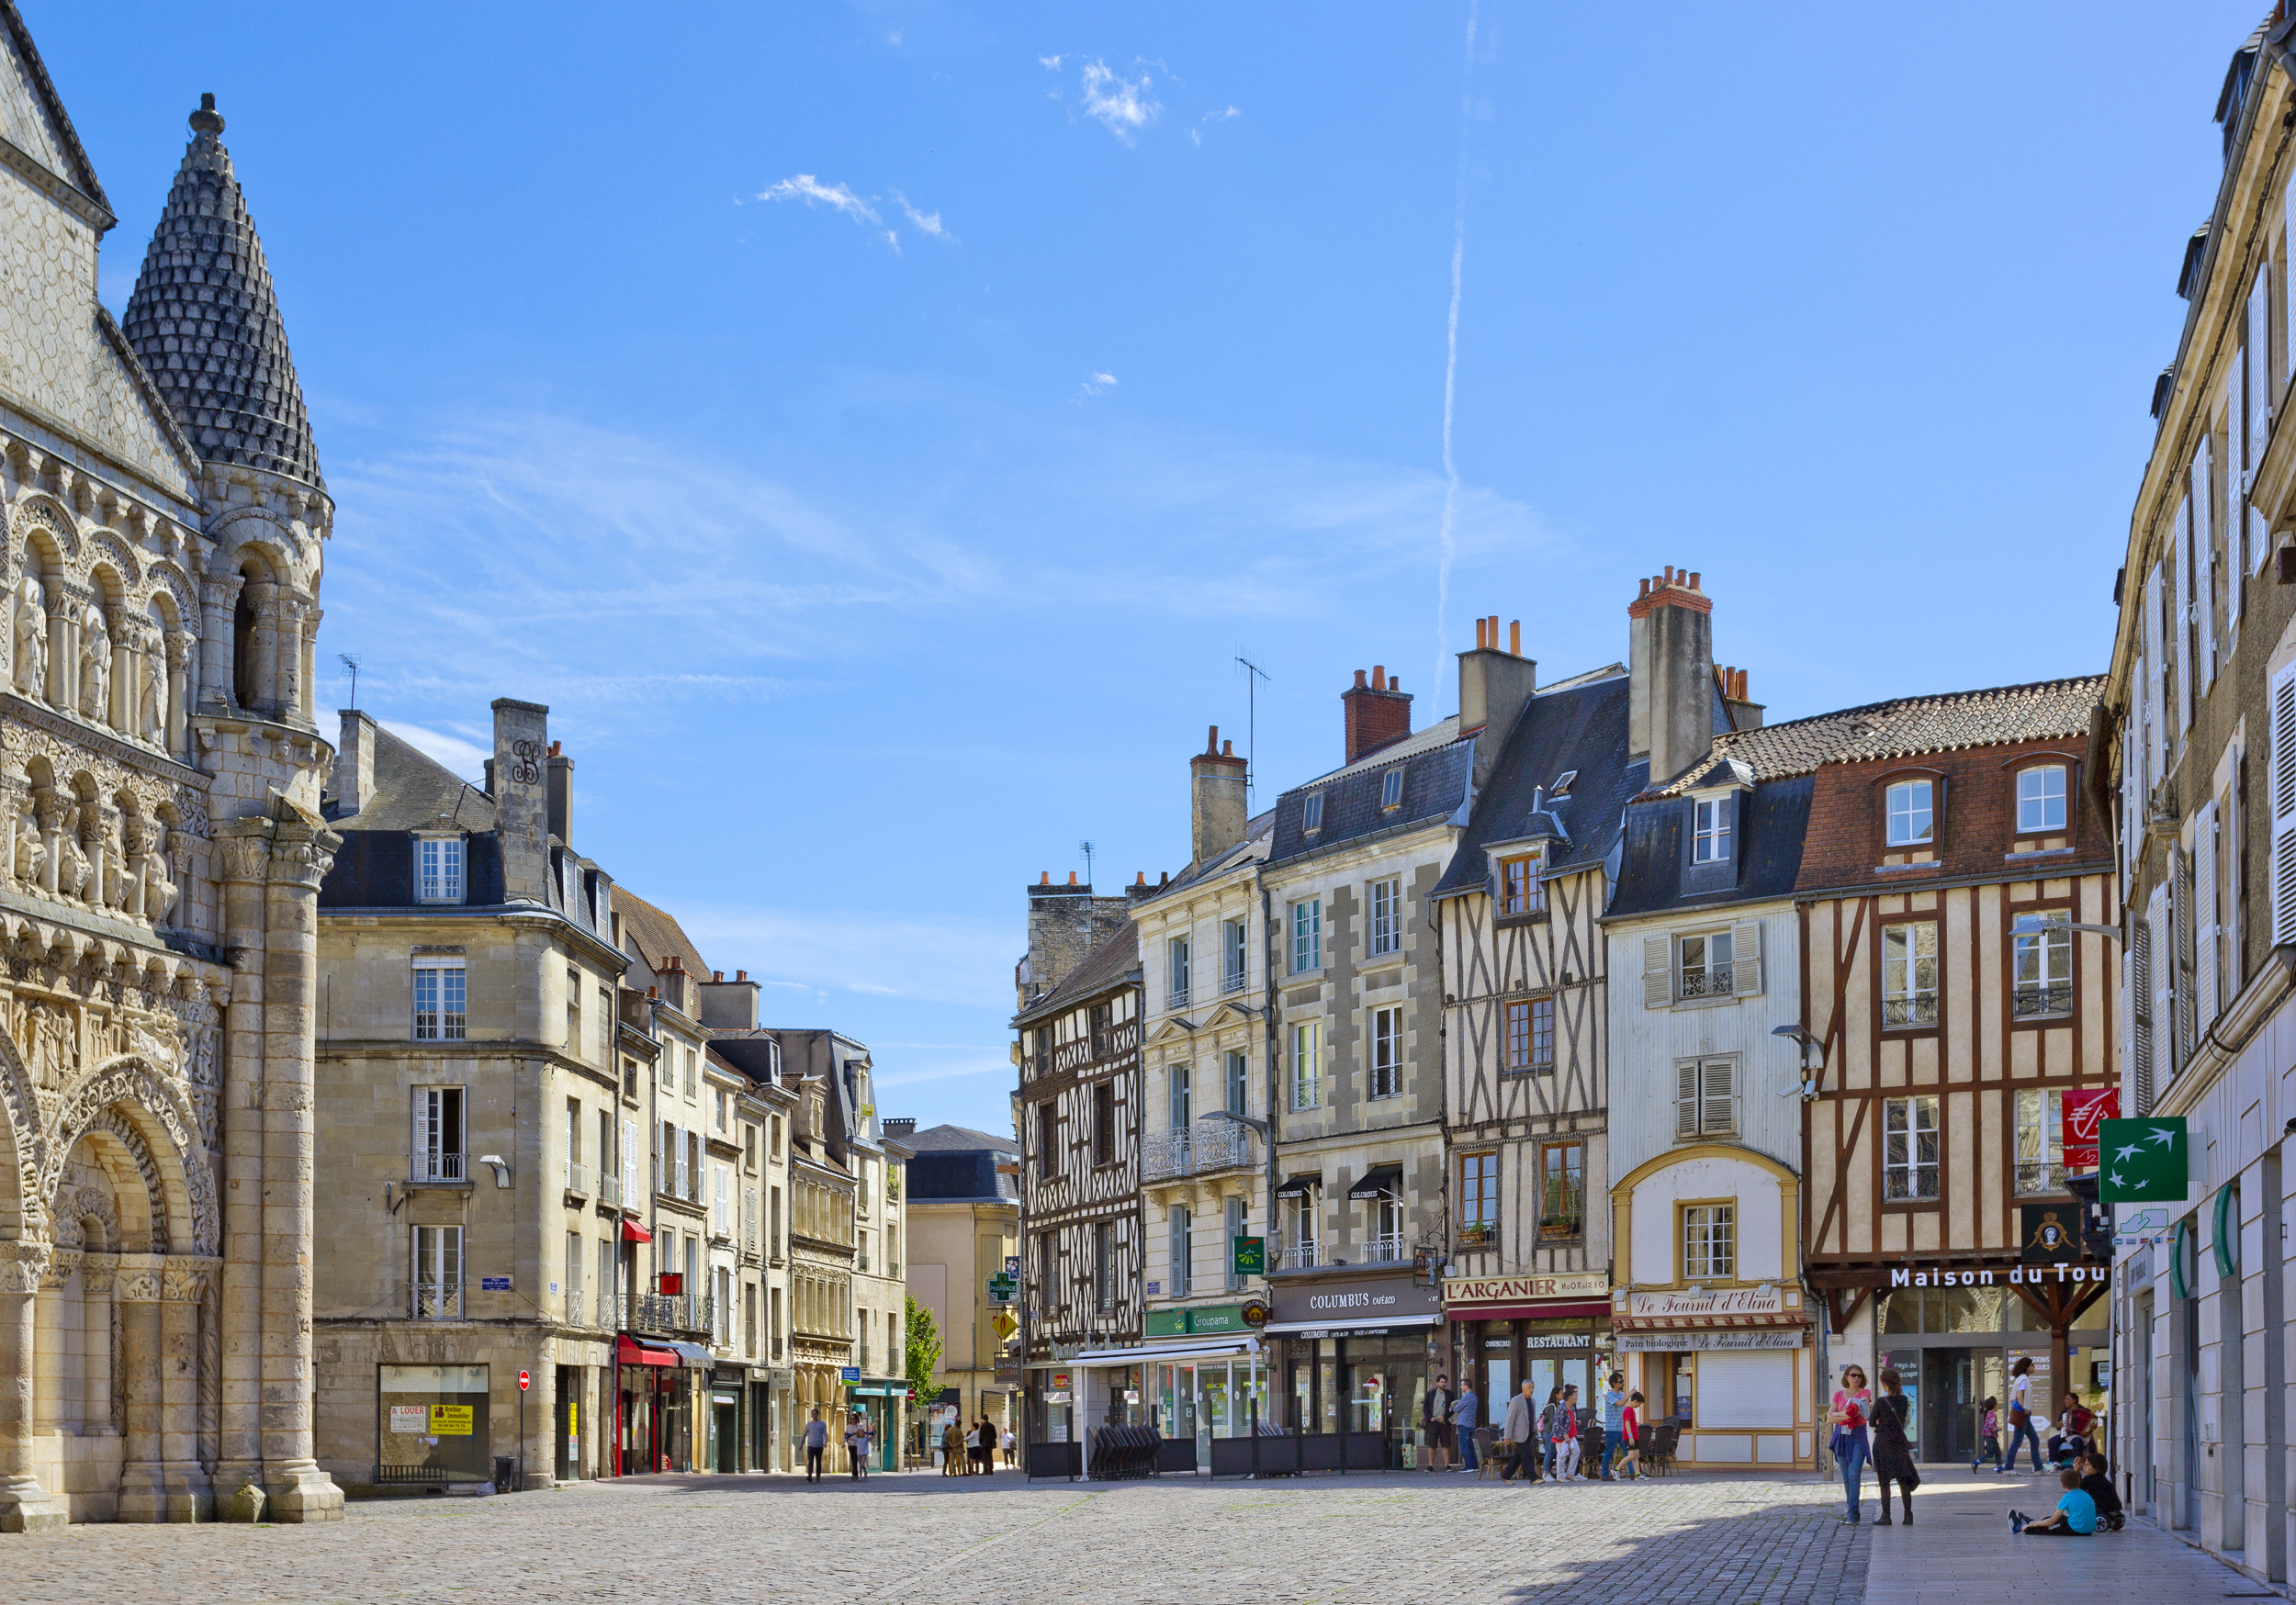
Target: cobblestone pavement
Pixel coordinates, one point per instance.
(1395, 1539)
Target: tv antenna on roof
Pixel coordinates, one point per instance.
(1085, 847)
(350, 661)
(1252, 675)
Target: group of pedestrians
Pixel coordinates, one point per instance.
(1870, 1429)
(972, 1450)
(1547, 1441)
(859, 1435)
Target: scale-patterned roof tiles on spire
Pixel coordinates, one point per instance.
(206, 323)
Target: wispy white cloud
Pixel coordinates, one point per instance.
(805, 188)
(1196, 134)
(1050, 63)
(1098, 383)
(925, 222)
(1124, 106)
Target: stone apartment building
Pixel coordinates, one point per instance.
(164, 516)
(481, 1085)
(2197, 748)
(964, 1206)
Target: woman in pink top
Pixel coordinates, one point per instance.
(1852, 1406)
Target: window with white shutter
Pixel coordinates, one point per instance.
(1705, 1097)
(2138, 979)
(2260, 379)
(2155, 662)
(2160, 969)
(2130, 979)
(2204, 943)
(2203, 545)
(2232, 892)
(2191, 530)
(1745, 958)
(1657, 971)
(2282, 701)
(2181, 918)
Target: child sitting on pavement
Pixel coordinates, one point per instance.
(2097, 1482)
(2075, 1517)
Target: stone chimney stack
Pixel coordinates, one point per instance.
(1215, 799)
(1745, 713)
(1496, 682)
(1065, 924)
(355, 763)
(1670, 717)
(561, 795)
(521, 811)
(1378, 713)
(729, 1005)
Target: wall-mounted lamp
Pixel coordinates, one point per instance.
(501, 1168)
(1806, 1088)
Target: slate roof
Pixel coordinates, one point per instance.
(1258, 831)
(1105, 967)
(57, 145)
(959, 1139)
(413, 790)
(1438, 764)
(657, 934)
(1578, 723)
(1908, 726)
(205, 322)
(1770, 835)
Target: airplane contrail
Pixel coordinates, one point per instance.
(1451, 367)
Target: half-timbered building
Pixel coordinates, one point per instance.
(1953, 997)
(1525, 978)
(1077, 1112)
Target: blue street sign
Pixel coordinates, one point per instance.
(850, 1373)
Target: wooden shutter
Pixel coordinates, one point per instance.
(1718, 1113)
(2204, 918)
(2138, 979)
(2283, 805)
(2156, 737)
(1686, 1099)
(1746, 957)
(2232, 921)
(2193, 521)
(1658, 973)
(2260, 370)
(629, 1164)
(2203, 547)
(2179, 964)
(2160, 964)
(417, 1146)
(2129, 980)
(2131, 781)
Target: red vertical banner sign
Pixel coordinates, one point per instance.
(2082, 1113)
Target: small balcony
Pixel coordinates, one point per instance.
(1219, 1145)
(435, 1303)
(1233, 981)
(578, 1179)
(672, 1314)
(1177, 997)
(1385, 1251)
(574, 1311)
(1302, 1256)
(438, 1167)
(609, 1189)
(1163, 1155)
(1713, 981)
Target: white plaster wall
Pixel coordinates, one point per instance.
(1761, 1219)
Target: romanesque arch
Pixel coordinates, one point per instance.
(153, 1107)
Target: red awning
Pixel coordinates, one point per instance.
(1586, 1311)
(632, 1232)
(630, 1351)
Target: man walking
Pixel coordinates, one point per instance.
(1466, 1416)
(816, 1444)
(1434, 1422)
(1521, 1434)
(1614, 1421)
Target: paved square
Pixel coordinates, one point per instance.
(1399, 1538)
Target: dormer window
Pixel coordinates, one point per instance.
(1311, 812)
(2040, 800)
(1561, 787)
(1391, 788)
(1519, 889)
(1911, 820)
(1711, 844)
(438, 861)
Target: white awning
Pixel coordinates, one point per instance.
(1089, 1358)
(1292, 1328)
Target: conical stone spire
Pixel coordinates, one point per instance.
(205, 323)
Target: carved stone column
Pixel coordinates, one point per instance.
(24, 1506)
(218, 596)
(242, 862)
(178, 693)
(263, 681)
(142, 1494)
(300, 857)
(183, 1292)
(48, 810)
(99, 1389)
(125, 680)
(313, 612)
(63, 652)
(286, 693)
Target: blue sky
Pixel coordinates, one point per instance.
(875, 428)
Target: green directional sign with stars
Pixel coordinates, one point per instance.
(2143, 1161)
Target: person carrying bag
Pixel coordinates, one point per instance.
(1562, 1429)
(1435, 1423)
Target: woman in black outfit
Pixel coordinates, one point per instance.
(1892, 1454)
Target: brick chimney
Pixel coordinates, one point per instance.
(1495, 685)
(1670, 717)
(1378, 713)
(1216, 805)
(521, 815)
(1745, 713)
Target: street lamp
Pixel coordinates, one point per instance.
(1259, 1125)
(1805, 1041)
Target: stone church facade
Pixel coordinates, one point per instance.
(161, 520)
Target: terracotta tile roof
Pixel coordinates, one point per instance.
(1905, 726)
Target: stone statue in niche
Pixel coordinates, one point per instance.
(32, 853)
(154, 713)
(159, 892)
(73, 868)
(116, 879)
(95, 669)
(46, 1041)
(31, 639)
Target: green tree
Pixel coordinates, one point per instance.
(922, 1352)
